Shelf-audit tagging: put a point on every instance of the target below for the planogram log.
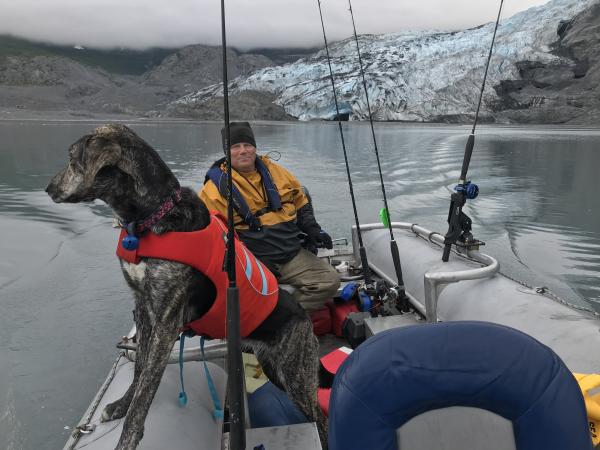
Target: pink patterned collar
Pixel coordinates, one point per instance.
(137, 227)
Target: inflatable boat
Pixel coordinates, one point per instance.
(480, 361)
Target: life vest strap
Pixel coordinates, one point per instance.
(218, 412)
(219, 178)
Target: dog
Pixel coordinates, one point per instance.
(115, 165)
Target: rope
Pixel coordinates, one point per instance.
(541, 290)
(83, 427)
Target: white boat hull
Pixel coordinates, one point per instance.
(574, 335)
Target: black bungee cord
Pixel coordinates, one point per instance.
(385, 213)
(459, 224)
(237, 430)
(363, 254)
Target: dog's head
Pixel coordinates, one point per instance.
(111, 159)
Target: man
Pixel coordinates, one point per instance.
(270, 213)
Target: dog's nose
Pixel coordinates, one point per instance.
(50, 188)
(51, 191)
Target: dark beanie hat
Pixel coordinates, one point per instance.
(239, 132)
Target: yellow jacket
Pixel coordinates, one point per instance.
(251, 188)
(277, 241)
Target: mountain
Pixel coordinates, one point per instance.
(118, 61)
(198, 66)
(283, 55)
(39, 77)
(544, 69)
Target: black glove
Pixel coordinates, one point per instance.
(320, 238)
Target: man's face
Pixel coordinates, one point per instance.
(243, 156)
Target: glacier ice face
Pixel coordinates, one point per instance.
(413, 76)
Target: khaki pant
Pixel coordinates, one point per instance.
(314, 279)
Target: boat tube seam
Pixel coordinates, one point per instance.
(77, 432)
(544, 291)
(428, 235)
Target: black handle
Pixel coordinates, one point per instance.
(365, 265)
(467, 157)
(235, 363)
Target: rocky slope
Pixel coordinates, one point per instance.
(59, 84)
(564, 90)
(198, 66)
(544, 69)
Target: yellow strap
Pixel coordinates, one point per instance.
(588, 382)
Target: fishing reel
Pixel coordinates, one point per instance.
(373, 299)
(376, 298)
(459, 224)
(389, 301)
(470, 190)
(466, 239)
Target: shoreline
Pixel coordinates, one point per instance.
(34, 116)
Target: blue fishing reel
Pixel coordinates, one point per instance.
(349, 291)
(355, 291)
(471, 190)
(365, 304)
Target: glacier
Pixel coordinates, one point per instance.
(411, 76)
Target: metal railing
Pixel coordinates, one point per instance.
(435, 282)
(215, 349)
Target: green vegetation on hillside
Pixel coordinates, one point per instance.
(121, 61)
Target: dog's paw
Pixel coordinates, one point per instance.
(114, 411)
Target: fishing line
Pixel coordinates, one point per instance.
(362, 252)
(385, 212)
(459, 224)
(237, 431)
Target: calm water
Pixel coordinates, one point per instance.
(64, 302)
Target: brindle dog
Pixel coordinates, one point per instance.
(113, 164)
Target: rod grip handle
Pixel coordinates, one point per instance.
(467, 157)
(235, 364)
(446, 254)
(397, 266)
(365, 265)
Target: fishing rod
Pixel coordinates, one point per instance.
(237, 431)
(362, 252)
(385, 212)
(459, 224)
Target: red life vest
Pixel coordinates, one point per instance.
(204, 250)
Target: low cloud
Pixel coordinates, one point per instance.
(260, 23)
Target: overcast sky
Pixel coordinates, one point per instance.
(250, 23)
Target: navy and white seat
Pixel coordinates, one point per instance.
(455, 386)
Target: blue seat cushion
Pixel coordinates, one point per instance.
(269, 406)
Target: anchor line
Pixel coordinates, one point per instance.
(236, 387)
(362, 252)
(386, 211)
(459, 224)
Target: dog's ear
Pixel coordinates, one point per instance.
(100, 152)
(115, 139)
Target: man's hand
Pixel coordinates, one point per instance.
(320, 238)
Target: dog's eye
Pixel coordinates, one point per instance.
(76, 149)
(73, 151)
